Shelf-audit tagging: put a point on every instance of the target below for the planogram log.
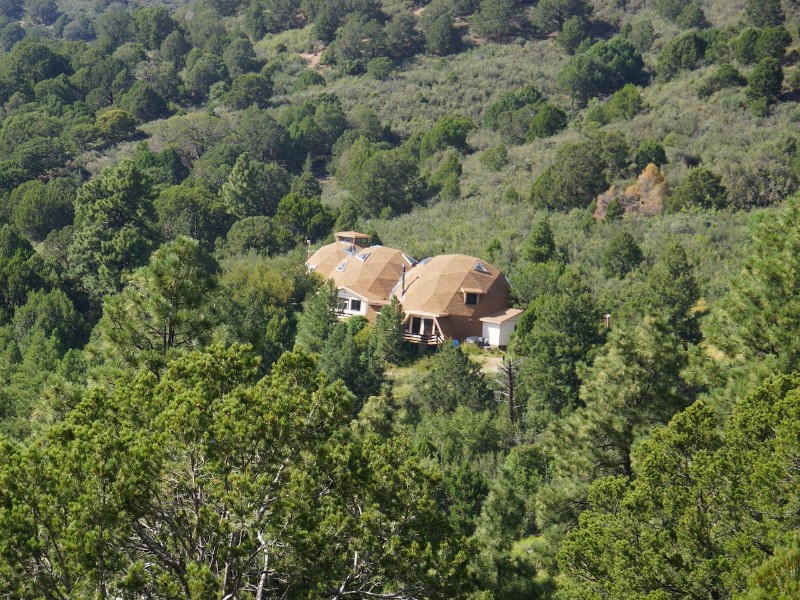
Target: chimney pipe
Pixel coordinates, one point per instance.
(403, 282)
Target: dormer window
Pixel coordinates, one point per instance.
(471, 299)
(481, 268)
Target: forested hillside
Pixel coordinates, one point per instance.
(182, 414)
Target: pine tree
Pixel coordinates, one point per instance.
(318, 318)
(539, 246)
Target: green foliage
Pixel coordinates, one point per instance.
(550, 15)
(386, 340)
(496, 19)
(191, 210)
(449, 131)
(557, 333)
(382, 180)
(43, 208)
(683, 466)
(772, 41)
(150, 440)
(648, 152)
(701, 188)
(765, 14)
(549, 120)
(574, 32)
(316, 322)
(495, 158)
(684, 53)
(602, 69)
(453, 381)
(575, 179)
(751, 326)
(641, 34)
(164, 308)
(358, 41)
(380, 68)
(403, 38)
(510, 102)
(441, 36)
(247, 89)
(50, 315)
(254, 188)
(299, 218)
(116, 125)
(622, 255)
(251, 235)
(539, 246)
(725, 76)
(624, 104)
(692, 16)
(306, 79)
(341, 359)
(765, 81)
(114, 229)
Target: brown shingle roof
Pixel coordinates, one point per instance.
(438, 285)
(373, 272)
(324, 260)
(502, 316)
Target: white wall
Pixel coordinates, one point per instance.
(498, 334)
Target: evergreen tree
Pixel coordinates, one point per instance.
(622, 255)
(114, 229)
(539, 246)
(164, 307)
(386, 340)
(765, 13)
(254, 188)
(453, 381)
(557, 333)
(316, 322)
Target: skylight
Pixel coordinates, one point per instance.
(481, 268)
(363, 256)
(409, 260)
(342, 266)
(425, 261)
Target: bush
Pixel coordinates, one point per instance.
(380, 68)
(622, 255)
(684, 53)
(765, 81)
(700, 188)
(548, 121)
(649, 152)
(495, 158)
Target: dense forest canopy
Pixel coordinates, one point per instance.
(184, 415)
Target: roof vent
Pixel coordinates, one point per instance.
(481, 268)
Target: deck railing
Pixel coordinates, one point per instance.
(425, 340)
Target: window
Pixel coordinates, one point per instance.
(355, 305)
(362, 241)
(481, 268)
(470, 299)
(342, 304)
